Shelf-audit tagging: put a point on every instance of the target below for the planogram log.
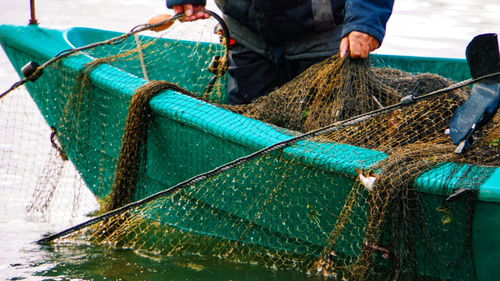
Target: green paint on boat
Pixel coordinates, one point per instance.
(184, 129)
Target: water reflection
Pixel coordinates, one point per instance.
(91, 262)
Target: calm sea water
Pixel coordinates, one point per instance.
(417, 27)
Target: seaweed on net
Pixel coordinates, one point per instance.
(265, 209)
(413, 139)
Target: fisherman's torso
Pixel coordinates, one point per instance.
(285, 19)
(284, 27)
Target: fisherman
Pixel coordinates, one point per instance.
(276, 40)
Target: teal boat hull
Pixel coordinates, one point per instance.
(193, 128)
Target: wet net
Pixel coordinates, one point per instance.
(329, 174)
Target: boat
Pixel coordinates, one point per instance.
(185, 130)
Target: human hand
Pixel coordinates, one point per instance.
(358, 44)
(189, 12)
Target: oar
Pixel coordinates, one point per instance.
(483, 57)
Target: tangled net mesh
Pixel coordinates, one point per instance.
(360, 201)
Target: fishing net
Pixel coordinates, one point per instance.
(329, 174)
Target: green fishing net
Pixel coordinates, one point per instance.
(338, 196)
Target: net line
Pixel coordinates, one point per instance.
(342, 220)
(277, 146)
(112, 41)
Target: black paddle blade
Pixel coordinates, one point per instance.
(477, 110)
(483, 55)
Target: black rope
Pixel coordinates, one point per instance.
(274, 147)
(14, 86)
(221, 69)
(112, 41)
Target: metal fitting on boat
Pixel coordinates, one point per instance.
(29, 69)
(407, 99)
(459, 193)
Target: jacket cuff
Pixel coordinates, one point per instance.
(171, 3)
(377, 34)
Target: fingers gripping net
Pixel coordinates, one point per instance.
(300, 205)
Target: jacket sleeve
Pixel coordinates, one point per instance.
(171, 3)
(368, 16)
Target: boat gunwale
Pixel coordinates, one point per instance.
(187, 110)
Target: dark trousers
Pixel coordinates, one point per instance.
(252, 75)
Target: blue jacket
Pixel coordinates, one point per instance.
(276, 22)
